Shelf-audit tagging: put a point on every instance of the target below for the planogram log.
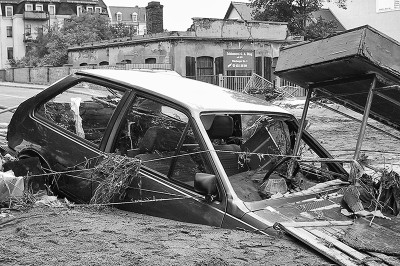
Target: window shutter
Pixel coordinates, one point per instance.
(190, 67)
(219, 65)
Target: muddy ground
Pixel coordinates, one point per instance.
(87, 236)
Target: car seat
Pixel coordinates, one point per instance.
(220, 130)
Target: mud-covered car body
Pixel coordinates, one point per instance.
(207, 153)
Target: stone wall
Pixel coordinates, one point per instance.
(46, 75)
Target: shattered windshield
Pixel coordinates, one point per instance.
(256, 152)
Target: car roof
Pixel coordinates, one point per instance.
(195, 95)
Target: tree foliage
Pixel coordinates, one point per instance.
(51, 47)
(298, 14)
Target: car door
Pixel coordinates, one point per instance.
(162, 136)
(72, 126)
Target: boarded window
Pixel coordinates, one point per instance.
(205, 69)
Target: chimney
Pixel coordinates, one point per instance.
(154, 17)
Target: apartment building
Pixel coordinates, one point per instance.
(21, 21)
(134, 16)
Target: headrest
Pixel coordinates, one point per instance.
(221, 127)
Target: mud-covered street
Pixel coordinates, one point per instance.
(87, 236)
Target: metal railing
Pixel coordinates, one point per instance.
(236, 83)
(291, 89)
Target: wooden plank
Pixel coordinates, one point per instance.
(393, 261)
(316, 223)
(311, 240)
(339, 245)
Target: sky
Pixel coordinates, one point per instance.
(178, 14)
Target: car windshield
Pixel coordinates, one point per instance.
(256, 150)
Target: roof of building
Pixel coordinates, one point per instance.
(243, 9)
(195, 95)
(127, 13)
(245, 12)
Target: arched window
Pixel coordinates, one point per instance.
(150, 61)
(103, 63)
(127, 61)
(83, 64)
(134, 17)
(119, 16)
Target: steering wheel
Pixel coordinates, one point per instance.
(279, 163)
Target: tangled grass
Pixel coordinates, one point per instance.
(115, 174)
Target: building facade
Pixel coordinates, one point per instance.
(130, 16)
(21, 21)
(383, 15)
(199, 53)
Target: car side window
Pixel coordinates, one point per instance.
(84, 110)
(162, 137)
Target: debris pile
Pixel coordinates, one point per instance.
(114, 174)
(372, 194)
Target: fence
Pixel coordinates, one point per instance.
(291, 88)
(49, 74)
(236, 83)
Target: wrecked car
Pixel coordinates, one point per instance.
(206, 155)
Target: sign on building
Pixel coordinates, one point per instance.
(387, 5)
(237, 59)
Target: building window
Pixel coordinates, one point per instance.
(150, 61)
(9, 31)
(134, 17)
(40, 30)
(205, 69)
(97, 9)
(28, 7)
(78, 10)
(39, 7)
(89, 9)
(9, 11)
(119, 16)
(52, 9)
(28, 29)
(10, 53)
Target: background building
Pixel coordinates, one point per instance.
(383, 15)
(201, 53)
(130, 16)
(21, 21)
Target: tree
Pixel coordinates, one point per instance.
(298, 15)
(51, 47)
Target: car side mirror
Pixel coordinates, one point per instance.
(206, 184)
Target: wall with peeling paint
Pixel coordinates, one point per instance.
(209, 37)
(208, 27)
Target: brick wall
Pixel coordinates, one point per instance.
(154, 17)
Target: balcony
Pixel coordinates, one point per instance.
(29, 38)
(36, 15)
